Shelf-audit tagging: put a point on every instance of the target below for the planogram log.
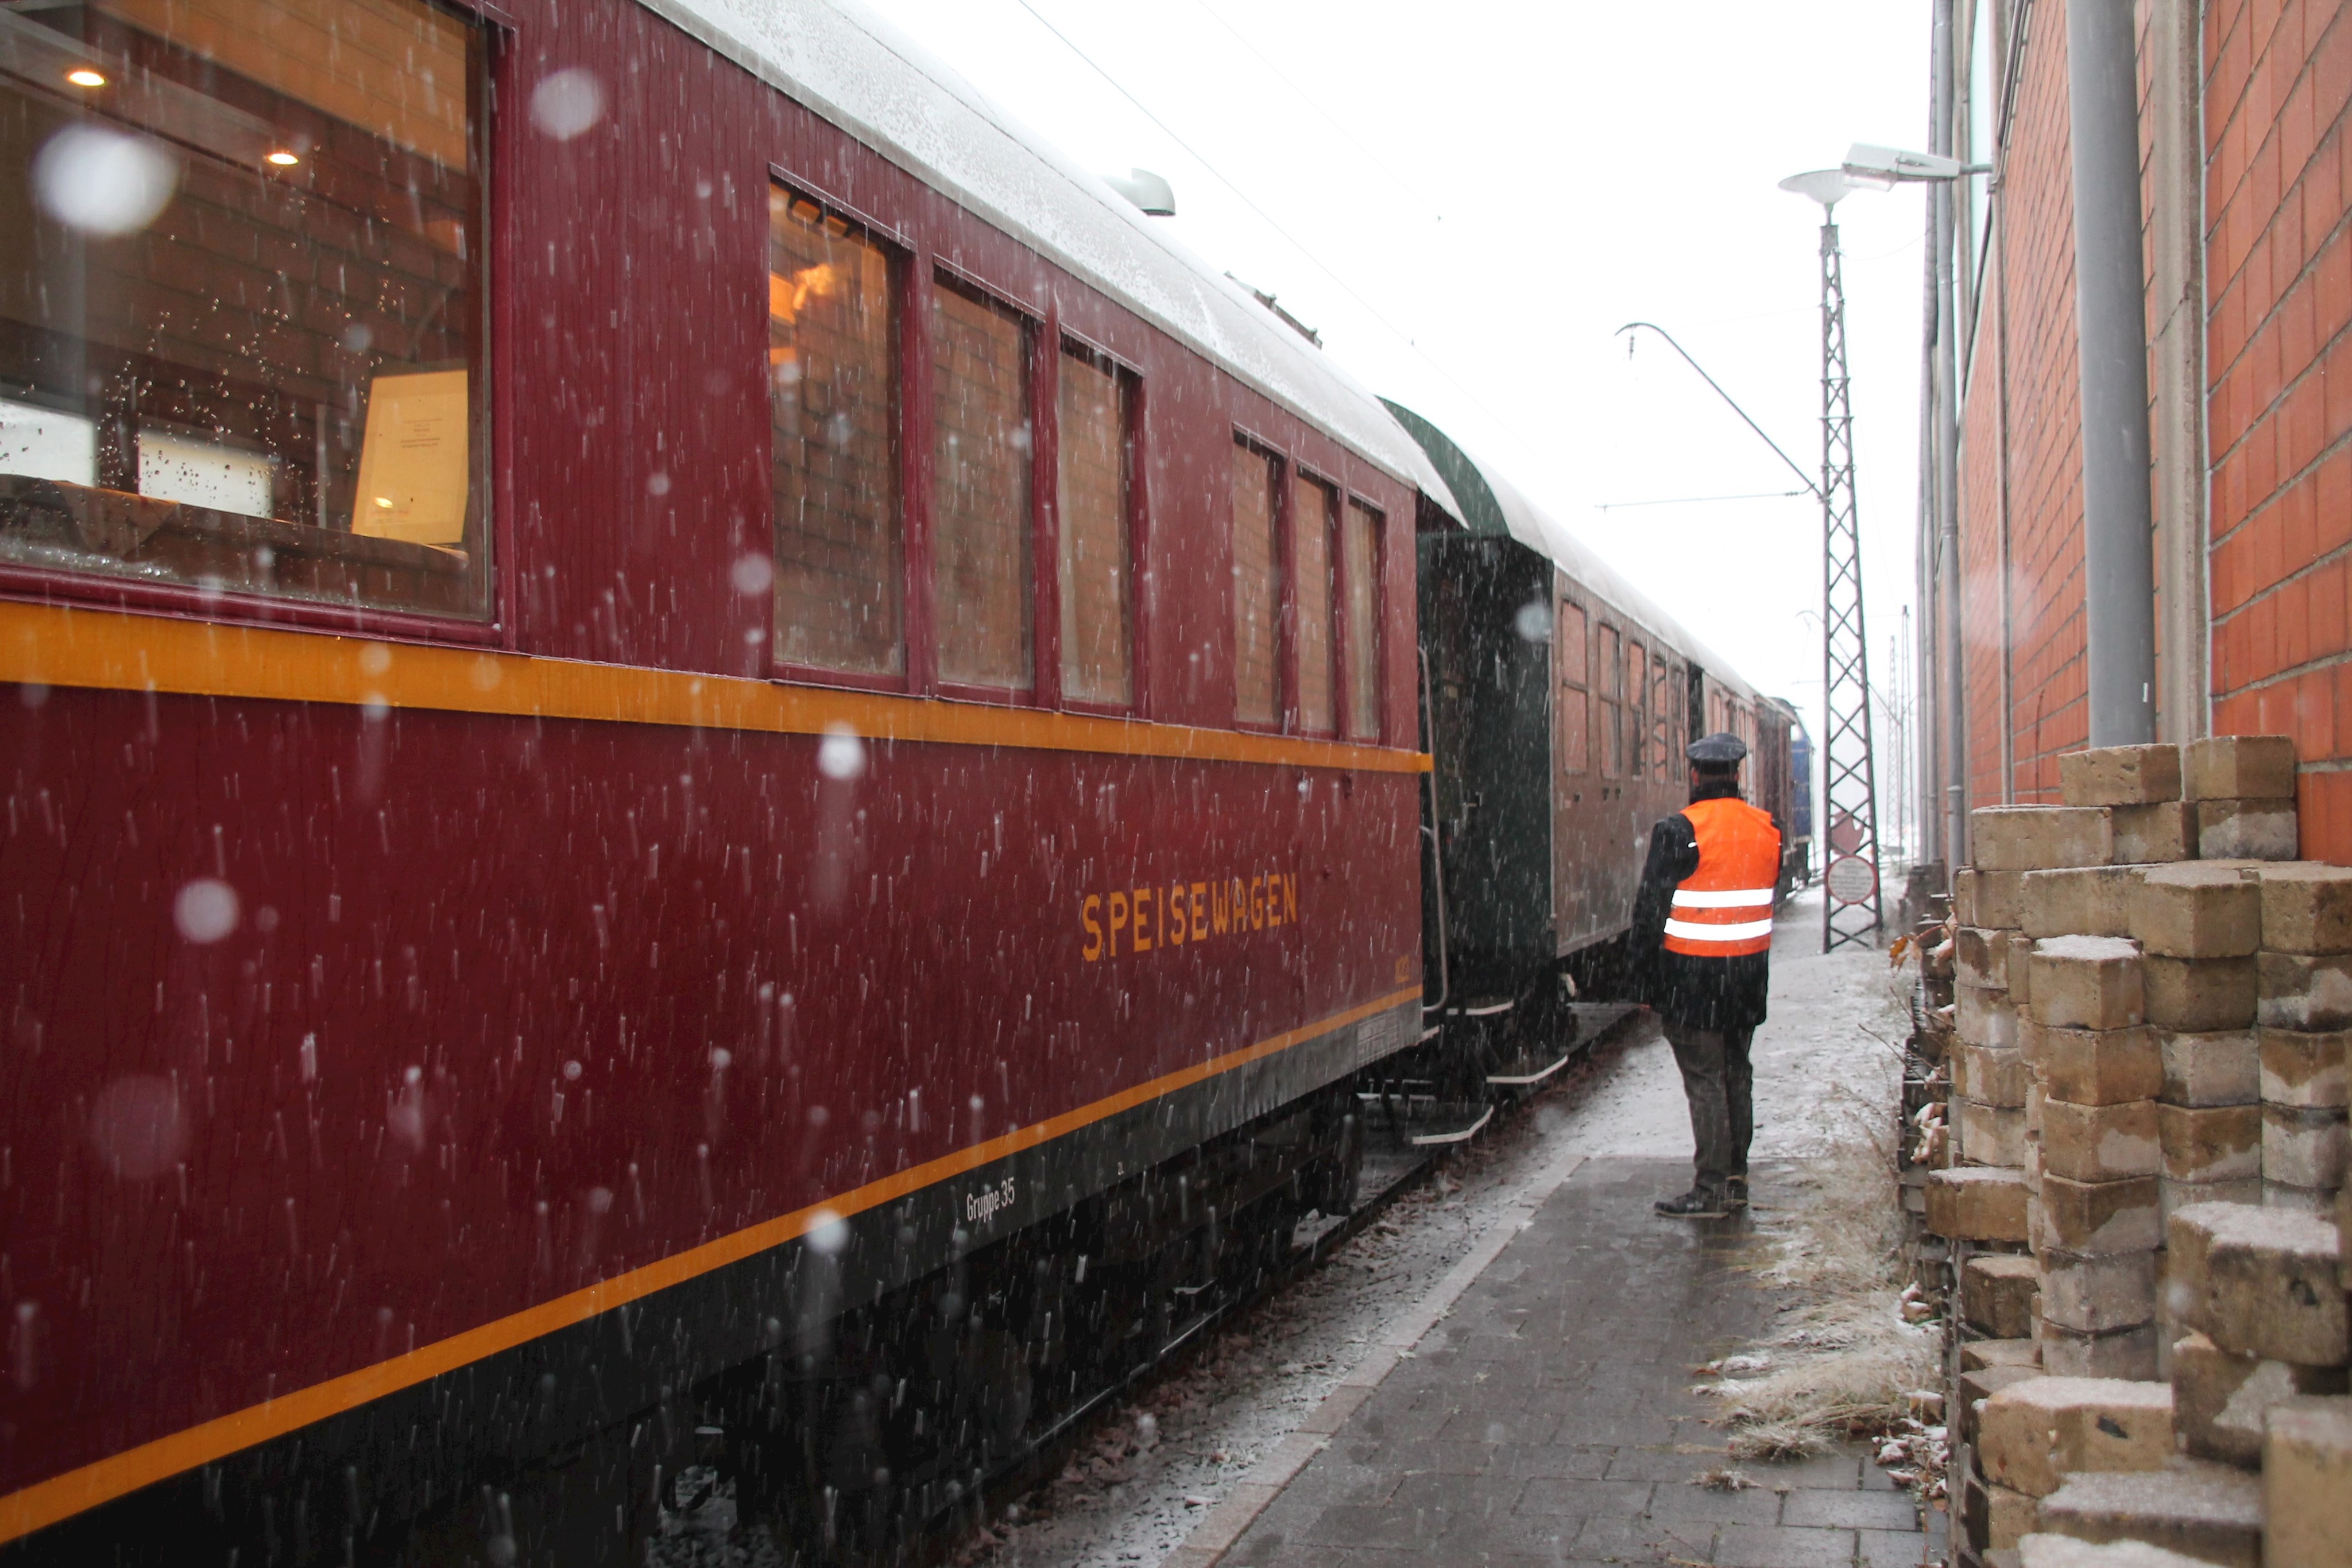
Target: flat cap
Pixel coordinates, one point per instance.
(1718, 750)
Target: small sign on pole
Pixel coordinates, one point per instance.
(1853, 880)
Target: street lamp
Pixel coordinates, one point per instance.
(1851, 880)
(1884, 167)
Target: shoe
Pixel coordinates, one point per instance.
(1735, 1195)
(1696, 1204)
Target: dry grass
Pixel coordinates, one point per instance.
(1843, 1360)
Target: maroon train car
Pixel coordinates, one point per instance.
(663, 685)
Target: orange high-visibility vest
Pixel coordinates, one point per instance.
(1724, 909)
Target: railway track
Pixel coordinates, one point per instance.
(1401, 1156)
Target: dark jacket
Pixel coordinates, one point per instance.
(1695, 993)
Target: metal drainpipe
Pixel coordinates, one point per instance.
(1948, 478)
(2110, 315)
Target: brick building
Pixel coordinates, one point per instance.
(2247, 274)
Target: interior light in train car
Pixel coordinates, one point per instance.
(85, 77)
(282, 157)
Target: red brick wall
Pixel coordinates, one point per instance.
(2278, 78)
(2049, 711)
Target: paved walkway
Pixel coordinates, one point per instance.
(1537, 1411)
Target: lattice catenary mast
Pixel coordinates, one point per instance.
(1849, 783)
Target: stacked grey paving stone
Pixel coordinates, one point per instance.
(2147, 1197)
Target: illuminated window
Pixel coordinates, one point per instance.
(1257, 587)
(1097, 461)
(981, 562)
(832, 401)
(1359, 573)
(1569, 652)
(241, 298)
(1310, 532)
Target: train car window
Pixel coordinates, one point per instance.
(241, 301)
(982, 572)
(1359, 572)
(1095, 443)
(1257, 586)
(1612, 702)
(1637, 710)
(833, 332)
(1569, 651)
(1662, 707)
(1314, 505)
(1568, 647)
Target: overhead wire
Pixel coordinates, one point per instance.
(1267, 219)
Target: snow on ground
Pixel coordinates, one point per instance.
(1132, 1492)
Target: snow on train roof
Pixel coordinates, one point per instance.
(855, 69)
(1492, 503)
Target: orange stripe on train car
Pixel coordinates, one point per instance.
(61, 1497)
(112, 650)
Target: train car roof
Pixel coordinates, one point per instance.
(1490, 504)
(861, 74)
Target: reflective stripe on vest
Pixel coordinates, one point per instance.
(1724, 909)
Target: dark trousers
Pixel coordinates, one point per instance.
(1718, 1081)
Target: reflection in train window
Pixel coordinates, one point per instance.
(1569, 651)
(981, 569)
(1612, 704)
(1257, 586)
(833, 389)
(1359, 572)
(1313, 506)
(1097, 462)
(240, 297)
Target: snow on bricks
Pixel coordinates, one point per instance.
(2045, 1550)
(2039, 838)
(1977, 1203)
(2087, 982)
(2258, 1281)
(2031, 1434)
(2204, 1511)
(2120, 776)
(2219, 1396)
(2307, 1482)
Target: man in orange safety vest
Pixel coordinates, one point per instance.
(1702, 944)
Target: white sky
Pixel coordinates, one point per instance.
(1467, 200)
